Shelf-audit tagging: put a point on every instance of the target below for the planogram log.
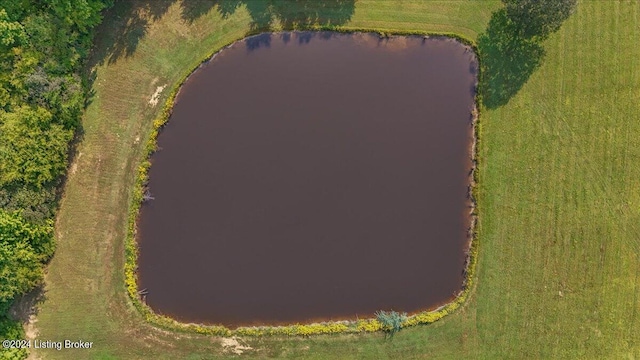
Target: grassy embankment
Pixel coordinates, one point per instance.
(559, 271)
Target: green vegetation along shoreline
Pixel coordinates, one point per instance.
(329, 327)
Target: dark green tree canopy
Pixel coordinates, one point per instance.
(33, 149)
(11, 32)
(23, 249)
(44, 45)
(538, 18)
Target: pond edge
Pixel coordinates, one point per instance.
(329, 327)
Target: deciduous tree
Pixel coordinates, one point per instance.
(23, 249)
(538, 18)
(33, 149)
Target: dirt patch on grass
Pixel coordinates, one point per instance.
(74, 165)
(156, 95)
(232, 345)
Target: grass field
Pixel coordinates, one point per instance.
(559, 199)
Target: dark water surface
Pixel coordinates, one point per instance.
(312, 176)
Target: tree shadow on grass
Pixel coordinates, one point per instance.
(123, 25)
(127, 22)
(294, 14)
(508, 60)
(305, 13)
(191, 10)
(291, 14)
(25, 306)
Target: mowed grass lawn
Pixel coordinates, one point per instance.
(559, 198)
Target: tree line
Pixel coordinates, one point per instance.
(43, 47)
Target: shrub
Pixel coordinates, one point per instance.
(391, 321)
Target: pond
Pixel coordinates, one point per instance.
(312, 176)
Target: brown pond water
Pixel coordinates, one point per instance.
(312, 176)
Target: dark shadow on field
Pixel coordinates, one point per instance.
(127, 22)
(511, 46)
(292, 14)
(118, 35)
(123, 25)
(26, 305)
(190, 10)
(508, 60)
